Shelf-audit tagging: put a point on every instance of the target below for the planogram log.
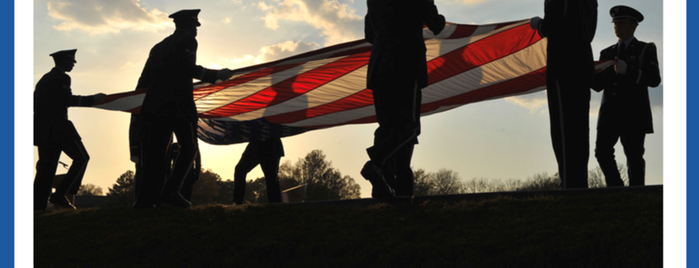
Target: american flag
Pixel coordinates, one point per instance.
(327, 87)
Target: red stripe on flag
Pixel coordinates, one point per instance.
(513, 86)
(460, 60)
(208, 90)
(292, 87)
(481, 52)
(358, 100)
(463, 31)
(517, 85)
(117, 96)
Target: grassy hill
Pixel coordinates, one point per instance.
(584, 228)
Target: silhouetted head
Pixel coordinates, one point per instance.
(187, 20)
(64, 59)
(625, 20)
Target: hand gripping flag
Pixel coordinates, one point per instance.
(327, 87)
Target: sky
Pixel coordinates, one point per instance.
(499, 139)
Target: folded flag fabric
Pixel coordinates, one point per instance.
(327, 87)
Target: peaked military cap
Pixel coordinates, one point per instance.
(624, 12)
(186, 14)
(70, 53)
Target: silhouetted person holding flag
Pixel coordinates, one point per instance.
(570, 27)
(137, 133)
(267, 154)
(54, 133)
(625, 112)
(397, 72)
(169, 108)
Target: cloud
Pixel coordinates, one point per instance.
(128, 65)
(271, 53)
(469, 2)
(535, 103)
(105, 16)
(337, 22)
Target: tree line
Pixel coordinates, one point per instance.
(445, 181)
(324, 182)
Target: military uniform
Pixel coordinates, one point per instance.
(625, 113)
(169, 107)
(570, 27)
(267, 154)
(397, 72)
(54, 133)
(136, 133)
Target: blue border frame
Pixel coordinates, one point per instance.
(692, 131)
(7, 139)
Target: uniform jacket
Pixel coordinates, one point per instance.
(625, 103)
(394, 28)
(136, 124)
(272, 147)
(169, 70)
(52, 97)
(570, 26)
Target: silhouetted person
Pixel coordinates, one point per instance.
(136, 133)
(192, 176)
(397, 72)
(267, 154)
(570, 27)
(54, 133)
(625, 111)
(169, 108)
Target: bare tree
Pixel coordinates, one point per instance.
(447, 182)
(479, 185)
(596, 179)
(541, 181)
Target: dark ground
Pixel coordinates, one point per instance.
(573, 228)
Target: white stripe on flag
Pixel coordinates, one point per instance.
(235, 93)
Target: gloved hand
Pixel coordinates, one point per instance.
(535, 23)
(620, 66)
(100, 97)
(224, 74)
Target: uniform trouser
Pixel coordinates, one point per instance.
(138, 180)
(398, 173)
(155, 144)
(633, 149)
(193, 175)
(139, 176)
(398, 115)
(569, 108)
(270, 167)
(46, 170)
(188, 187)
